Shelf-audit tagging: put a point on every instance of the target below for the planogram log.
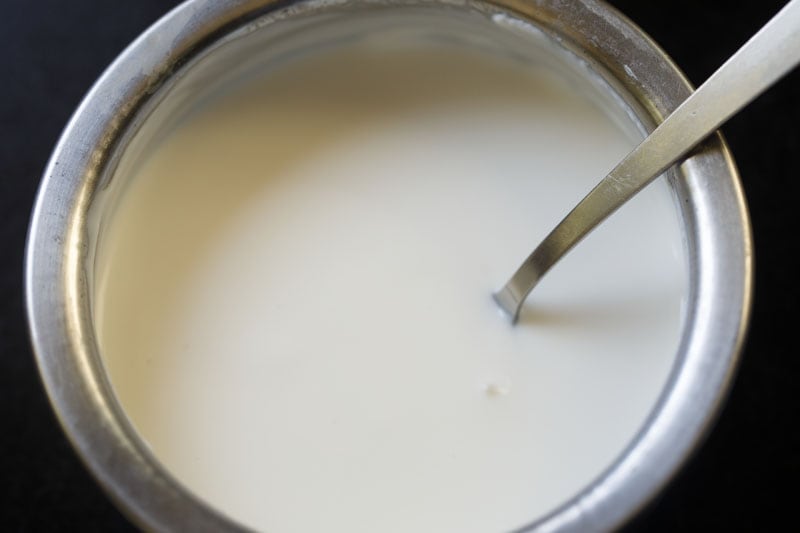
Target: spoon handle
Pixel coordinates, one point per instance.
(765, 58)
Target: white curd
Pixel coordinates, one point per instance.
(295, 308)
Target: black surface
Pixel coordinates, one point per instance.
(744, 478)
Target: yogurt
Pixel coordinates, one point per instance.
(295, 308)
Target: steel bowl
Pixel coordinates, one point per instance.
(203, 40)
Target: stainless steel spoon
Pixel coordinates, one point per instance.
(765, 58)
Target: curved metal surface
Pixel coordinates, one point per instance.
(59, 255)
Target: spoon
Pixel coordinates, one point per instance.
(763, 60)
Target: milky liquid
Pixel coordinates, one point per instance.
(295, 304)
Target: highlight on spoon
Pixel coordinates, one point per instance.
(509, 302)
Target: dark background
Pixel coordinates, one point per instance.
(745, 477)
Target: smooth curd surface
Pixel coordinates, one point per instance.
(295, 306)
